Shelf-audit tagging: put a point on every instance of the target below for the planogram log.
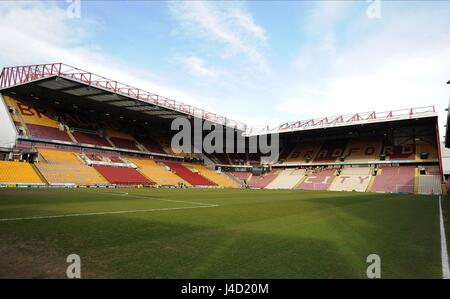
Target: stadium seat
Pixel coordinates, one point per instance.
(90, 138)
(352, 179)
(318, 179)
(63, 167)
(44, 132)
(218, 178)
(262, 181)
(430, 149)
(330, 151)
(18, 172)
(158, 173)
(287, 179)
(242, 177)
(303, 152)
(151, 145)
(394, 179)
(124, 143)
(400, 152)
(192, 178)
(363, 150)
(122, 175)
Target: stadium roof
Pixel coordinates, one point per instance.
(71, 81)
(78, 86)
(363, 118)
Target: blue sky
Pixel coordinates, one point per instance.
(260, 62)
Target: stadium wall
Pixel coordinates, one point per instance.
(8, 132)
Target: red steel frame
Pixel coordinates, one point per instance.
(350, 119)
(16, 75)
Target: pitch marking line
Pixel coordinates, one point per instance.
(160, 199)
(102, 213)
(444, 252)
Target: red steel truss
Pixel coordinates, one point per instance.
(16, 75)
(348, 119)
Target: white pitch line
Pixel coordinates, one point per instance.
(160, 199)
(444, 252)
(103, 213)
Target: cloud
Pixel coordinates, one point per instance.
(226, 24)
(40, 32)
(197, 66)
(399, 61)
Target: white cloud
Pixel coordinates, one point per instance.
(40, 32)
(199, 67)
(228, 25)
(400, 61)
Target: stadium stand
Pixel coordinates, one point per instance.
(90, 138)
(400, 152)
(124, 143)
(262, 181)
(56, 108)
(192, 178)
(318, 179)
(242, 177)
(18, 172)
(352, 179)
(38, 121)
(122, 175)
(218, 178)
(429, 149)
(151, 145)
(157, 172)
(303, 152)
(331, 150)
(48, 133)
(363, 150)
(287, 179)
(394, 179)
(63, 167)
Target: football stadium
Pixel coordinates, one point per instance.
(224, 147)
(81, 173)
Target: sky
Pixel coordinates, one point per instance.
(258, 62)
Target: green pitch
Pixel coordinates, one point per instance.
(173, 233)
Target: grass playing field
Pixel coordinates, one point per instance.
(173, 233)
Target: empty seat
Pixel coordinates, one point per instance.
(218, 178)
(263, 180)
(400, 152)
(331, 150)
(394, 179)
(63, 167)
(303, 152)
(243, 177)
(90, 138)
(363, 149)
(124, 143)
(158, 173)
(122, 175)
(192, 178)
(318, 179)
(287, 179)
(44, 132)
(18, 172)
(351, 182)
